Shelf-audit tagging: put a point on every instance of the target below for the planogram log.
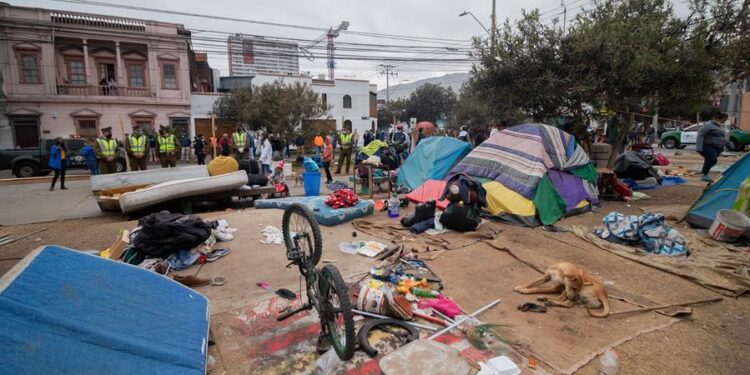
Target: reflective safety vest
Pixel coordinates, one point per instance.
(346, 140)
(108, 147)
(138, 145)
(240, 139)
(166, 144)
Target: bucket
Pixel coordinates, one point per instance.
(312, 183)
(371, 299)
(729, 224)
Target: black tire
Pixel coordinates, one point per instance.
(670, 143)
(120, 165)
(26, 169)
(298, 218)
(338, 307)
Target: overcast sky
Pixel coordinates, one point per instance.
(418, 18)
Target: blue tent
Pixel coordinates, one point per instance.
(720, 195)
(66, 312)
(432, 159)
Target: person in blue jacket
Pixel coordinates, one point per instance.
(58, 161)
(88, 153)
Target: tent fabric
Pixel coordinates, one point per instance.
(323, 213)
(551, 204)
(507, 205)
(372, 147)
(520, 156)
(67, 312)
(720, 195)
(431, 190)
(431, 160)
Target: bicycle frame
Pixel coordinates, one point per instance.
(313, 283)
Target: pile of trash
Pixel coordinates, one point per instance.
(165, 242)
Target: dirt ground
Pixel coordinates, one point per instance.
(713, 340)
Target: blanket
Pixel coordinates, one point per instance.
(648, 229)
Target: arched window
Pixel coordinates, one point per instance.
(347, 101)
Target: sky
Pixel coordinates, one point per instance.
(437, 19)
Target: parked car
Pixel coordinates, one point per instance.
(738, 139)
(29, 162)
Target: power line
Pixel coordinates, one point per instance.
(266, 23)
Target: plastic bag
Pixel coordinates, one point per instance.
(442, 304)
(327, 363)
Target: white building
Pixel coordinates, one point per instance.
(252, 55)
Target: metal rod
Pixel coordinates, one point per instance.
(371, 315)
(454, 325)
(22, 237)
(445, 317)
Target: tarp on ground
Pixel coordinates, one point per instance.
(431, 190)
(67, 312)
(720, 195)
(431, 160)
(533, 163)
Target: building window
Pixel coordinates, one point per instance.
(136, 75)
(146, 124)
(169, 75)
(324, 99)
(180, 125)
(29, 65)
(76, 72)
(347, 101)
(87, 127)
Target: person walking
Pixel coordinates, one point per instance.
(327, 159)
(266, 154)
(300, 143)
(88, 152)
(105, 149)
(710, 143)
(239, 143)
(186, 154)
(167, 146)
(346, 150)
(152, 152)
(251, 145)
(200, 149)
(58, 161)
(136, 147)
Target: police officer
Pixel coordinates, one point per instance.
(167, 145)
(105, 150)
(137, 147)
(345, 140)
(239, 143)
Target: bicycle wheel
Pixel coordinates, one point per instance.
(338, 312)
(298, 219)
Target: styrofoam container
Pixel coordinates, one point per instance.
(501, 365)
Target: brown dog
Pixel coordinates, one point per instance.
(575, 284)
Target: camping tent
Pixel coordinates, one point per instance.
(533, 174)
(431, 160)
(720, 195)
(67, 312)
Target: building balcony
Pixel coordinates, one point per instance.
(97, 90)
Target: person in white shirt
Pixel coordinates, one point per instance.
(266, 154)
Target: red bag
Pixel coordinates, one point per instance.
(660, 159)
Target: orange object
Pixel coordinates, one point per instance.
(405, 286)
(379, 206)
(532, 363)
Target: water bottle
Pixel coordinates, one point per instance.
(394, 206)
(608, 363)
(419, 292)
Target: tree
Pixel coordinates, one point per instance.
(395, 109)
(430, 102)
(472, 111)
(273, 107)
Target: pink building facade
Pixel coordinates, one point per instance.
(68, 74)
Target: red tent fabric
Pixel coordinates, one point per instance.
(431, 190)
(425, 125)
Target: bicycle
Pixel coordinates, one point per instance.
(326, 290)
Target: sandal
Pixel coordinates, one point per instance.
(533, 307)
(216, 254)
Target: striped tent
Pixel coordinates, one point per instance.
(534, 174)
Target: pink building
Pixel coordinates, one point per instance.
(68, 74)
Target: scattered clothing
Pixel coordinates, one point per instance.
(648, 229)
(338, 185)
(182, 259)
(272, 235)
(422, 226)
(342, 198)
(164, 233)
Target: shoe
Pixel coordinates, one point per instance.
(63, 188)
(222, 235)
(408, 220)
(707, 178)
(324, 343)
(191, 281)
(51, 188)
(216, 254)
(533, 307)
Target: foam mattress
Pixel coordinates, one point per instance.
(151, 176)
(324, 214)
(136, 200)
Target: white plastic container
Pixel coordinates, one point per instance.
(501, 365)
(728, 225)
(349, 247)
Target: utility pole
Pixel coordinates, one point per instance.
(494, 26)
(387, 71)
(565, 15)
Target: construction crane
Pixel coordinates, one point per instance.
(331, 34)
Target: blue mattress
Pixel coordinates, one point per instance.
(324, 214)
(66, 312)
(666, 181)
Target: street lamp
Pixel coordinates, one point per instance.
(475, 19)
